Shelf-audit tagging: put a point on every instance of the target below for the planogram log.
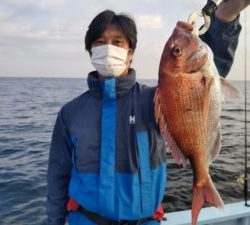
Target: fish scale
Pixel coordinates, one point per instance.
(189, 118)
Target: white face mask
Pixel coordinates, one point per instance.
(109, 60)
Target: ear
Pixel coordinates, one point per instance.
(130, 51)
(130, 56)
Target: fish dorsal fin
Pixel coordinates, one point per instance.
(178, 156)
(229, 92)
(216, 147)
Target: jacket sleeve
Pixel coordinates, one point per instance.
(59, 169)
(222, 37)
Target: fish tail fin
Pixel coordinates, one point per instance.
(204, 193)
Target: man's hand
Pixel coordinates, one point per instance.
(228, 10)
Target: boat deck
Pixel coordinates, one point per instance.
(232, 214)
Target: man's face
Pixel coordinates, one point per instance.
(112, 35)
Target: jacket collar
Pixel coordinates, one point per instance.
(122, 84)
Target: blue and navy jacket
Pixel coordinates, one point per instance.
(107, 152)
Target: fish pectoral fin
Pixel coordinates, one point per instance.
(178, 156)
(229, 92)
(207, 81)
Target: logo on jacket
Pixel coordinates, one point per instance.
(131, 119)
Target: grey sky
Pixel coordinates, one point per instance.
(46, 38)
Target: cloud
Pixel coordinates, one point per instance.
(53, 30)
(149, 21)
(35, 3)
(21, 10)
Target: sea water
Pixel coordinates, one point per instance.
(28, 109)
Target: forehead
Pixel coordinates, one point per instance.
(112, 31)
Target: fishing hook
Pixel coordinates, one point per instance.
(205, 26)
(206, 12)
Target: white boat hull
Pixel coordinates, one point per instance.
(232, 214)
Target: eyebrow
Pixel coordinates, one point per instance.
(119, 37)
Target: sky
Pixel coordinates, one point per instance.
(45, 38)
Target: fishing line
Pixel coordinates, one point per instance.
(245, 89)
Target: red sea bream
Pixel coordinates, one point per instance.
(188, 107)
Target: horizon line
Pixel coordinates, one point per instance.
(78, 77)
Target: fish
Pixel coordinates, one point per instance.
(187, 108)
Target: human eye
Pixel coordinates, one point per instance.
(98, 42)
(118, 42)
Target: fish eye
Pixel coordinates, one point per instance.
(176, 51)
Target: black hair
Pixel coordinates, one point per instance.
(106, 18)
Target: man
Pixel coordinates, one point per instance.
(107, 158)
